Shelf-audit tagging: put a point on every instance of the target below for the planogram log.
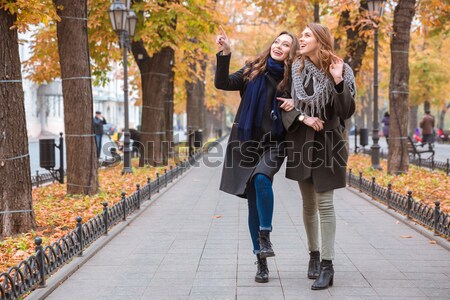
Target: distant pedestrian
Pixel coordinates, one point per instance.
(99, 121)
(385, 122)
(427, 125)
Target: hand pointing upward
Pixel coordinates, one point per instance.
(223, 42)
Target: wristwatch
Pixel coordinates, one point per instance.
(301, 118)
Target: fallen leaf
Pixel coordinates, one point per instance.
(19, 254)
(398, 222)
(432, 242)
(406, 236)
(217, 217)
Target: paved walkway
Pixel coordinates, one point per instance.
(193, 243)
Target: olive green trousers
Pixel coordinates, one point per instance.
(319, 208)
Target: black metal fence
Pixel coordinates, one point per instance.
(423, 213)
(427, 163)
(32, 272)
(40, 179)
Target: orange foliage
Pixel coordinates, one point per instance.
(427, 186)
(56, 212)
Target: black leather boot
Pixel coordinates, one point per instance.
(326, 276)
(262, 275)
(265, 244)
(314, 264)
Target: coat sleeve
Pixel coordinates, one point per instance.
(343, 103)
(290, 120)
(223, 80)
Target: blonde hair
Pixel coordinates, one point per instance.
(258, 65)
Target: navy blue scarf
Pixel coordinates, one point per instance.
(255, 96)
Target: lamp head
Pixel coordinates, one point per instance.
(131, 23)
(376, 7)
(118, 15)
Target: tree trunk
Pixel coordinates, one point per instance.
(195, 92)
(369, 110)
(316, 12)
(156, 79)
(15, 178)
(359, 119)
(413, 121)
(356, 43)
(398, 87)
(426, 105)
(441, 121)
(73, 48)
(169, 119)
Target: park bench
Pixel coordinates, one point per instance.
(413, 150)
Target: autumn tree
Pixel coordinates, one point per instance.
(429, 32)
(15, 180)
(162, 28)
(195, 92)
(73, 49)
(399, 87)
(432, 16)
(185, 27)
(61, 49)
(16, 211)
(429, 75)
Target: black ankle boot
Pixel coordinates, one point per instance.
(314, 264)
(262, 275)
(265, 244)
(326, 276)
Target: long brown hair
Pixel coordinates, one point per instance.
(326, 46)
(257, 66)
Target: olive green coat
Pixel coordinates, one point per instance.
(319, 156)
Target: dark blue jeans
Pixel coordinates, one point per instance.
(98, 143)
(260, 207)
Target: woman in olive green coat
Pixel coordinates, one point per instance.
(323, 91)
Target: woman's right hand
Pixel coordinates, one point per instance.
(223, 42)
(314, 123)
(288, 103)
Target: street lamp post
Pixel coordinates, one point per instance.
(376, 10)
(124, 20)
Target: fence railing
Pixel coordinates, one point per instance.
(40, 179)
(33, 272)
(421, 212)
(427, 163)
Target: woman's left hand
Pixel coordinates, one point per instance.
(288, 103)
(336, 68)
